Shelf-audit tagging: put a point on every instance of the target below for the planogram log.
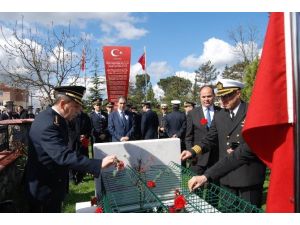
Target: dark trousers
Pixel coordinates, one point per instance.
(46, 206)
(252, 194)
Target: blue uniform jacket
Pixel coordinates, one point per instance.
(49, 158)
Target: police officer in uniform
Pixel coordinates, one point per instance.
(176, 123)
(238, 168)
(109, 107)
(188, 106)
(50, 158)
(99, 120)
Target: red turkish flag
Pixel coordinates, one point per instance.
(142, 61)
(269, 123)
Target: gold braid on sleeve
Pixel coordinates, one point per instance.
(197, 149)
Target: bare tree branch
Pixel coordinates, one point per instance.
(41, 61)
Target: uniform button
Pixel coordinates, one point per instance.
(228, 137)
(237, 135)
(227, 143)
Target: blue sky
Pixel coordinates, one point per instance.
(174, 41)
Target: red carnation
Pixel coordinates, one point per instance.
(179, 202)
(120, 165)
(99, 210)
(151, 184)
(172, 209)
(203, 121)
(94, 201)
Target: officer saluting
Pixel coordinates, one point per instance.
(239, 170)
(50, 158)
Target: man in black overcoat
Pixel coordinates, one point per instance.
(238, 169)
(162, 133)
(176, 123)
(50, 158)
(149, 122)
(198, 126)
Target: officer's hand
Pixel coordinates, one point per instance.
(124, 139)
(185, 155)
(108, 161)
(229, 151)
(196, 181)
(162, 129)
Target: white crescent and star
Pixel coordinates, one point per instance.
(116, 52)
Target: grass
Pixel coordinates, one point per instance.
(79, 193)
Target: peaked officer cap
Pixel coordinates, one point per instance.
(97, 101)
(189, 103)
(74, 92)
(227, 86)
(175, 102)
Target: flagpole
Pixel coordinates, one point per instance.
(296, 51)
(145, 72)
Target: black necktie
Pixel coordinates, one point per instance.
(232, 115)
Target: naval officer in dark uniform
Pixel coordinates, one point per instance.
(238, 168)
(50, 158)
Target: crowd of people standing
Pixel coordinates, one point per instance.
(210, 136)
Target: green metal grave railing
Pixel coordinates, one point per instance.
(127, 191)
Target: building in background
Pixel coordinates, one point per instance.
(17, 95)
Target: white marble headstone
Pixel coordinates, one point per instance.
(147, 153)
(150, 152)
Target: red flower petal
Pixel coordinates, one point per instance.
(203, 121)
(99, 210)
(172, 209)
(151, 184)
(179, 202)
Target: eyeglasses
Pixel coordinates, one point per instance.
(122, 103)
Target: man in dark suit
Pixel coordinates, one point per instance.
(176, 123)
(30, 112)
(149, 123)
(79, 131)
(162, 121)
(99, 121)
(198, 123)
(121, 124)
(50, 158)
(137, 121)
(21, 112)
(238, 168)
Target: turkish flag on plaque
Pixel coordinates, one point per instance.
(117, 70)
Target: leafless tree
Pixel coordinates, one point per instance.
(41, 60)
(245, 40)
